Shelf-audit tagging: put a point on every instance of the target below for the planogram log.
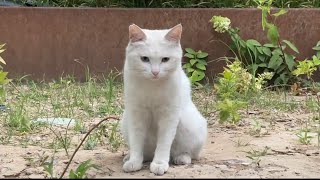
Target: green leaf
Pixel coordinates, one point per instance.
(201, 61)
(3, 75)
(197, 76)
(202, 55)
(254, 68)
(269, 45)
(2, 45)
(193, 61)
(262, 58)
(316, 60)
(275, 62)
(266, 51)
(264, 17)
(273, 33)
(201, 66)
(187, 65)
(72, 175)
(289, 61)
(190, 51)
(242, 43)
(191, 56)
(260, 50)
(2, 61)
(284, 78)
(223, 116)
(253, 42)
(227, 74)
(262, 65)
(291, 45)
(277, 52)
(189, 70)
(317, 48)
(281, 68)
(2, 50)
(279, 13)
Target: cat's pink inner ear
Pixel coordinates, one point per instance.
(174, 34)
(136, 34)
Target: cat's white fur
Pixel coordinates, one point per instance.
(160, 121)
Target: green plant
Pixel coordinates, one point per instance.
(256, 129)
(48, 167)
(228, 110)
(317, 49)
(307, 67)
(258, 58)
(90, 143)
(80, 172)
(196, 65)
(3, 76)
(18, 118)
(304, 136)
(255, 155)
(235, 80)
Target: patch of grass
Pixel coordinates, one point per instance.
(255, 155)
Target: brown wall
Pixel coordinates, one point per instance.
(44, 42)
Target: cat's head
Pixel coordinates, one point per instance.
(154, 54)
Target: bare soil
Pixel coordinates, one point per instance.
(226, 154)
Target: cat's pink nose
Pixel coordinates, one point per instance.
(155, 72)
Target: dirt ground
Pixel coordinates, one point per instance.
(226, 154)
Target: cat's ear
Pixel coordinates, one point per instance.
(136, 34)
(174, 34)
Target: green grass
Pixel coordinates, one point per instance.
(64, 98)
(171, 3)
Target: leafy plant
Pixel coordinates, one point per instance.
(196, 65)
(317, 49)
(80, 172)
(255, 155)
(48, 167)
(259, 58)
(3, 76)
(237, 80)
(228, 110)
(307, 67)
(304, 137)
(234, 81)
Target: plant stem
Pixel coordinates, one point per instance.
(82, 141)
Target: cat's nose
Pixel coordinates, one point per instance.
(155, 72)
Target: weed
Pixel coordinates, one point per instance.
(196, 66)
(80, 172)
(240, 143)
(48, 167)
(255, 155)
(304, 136)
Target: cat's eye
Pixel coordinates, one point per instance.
(165, 59)
(145, 59)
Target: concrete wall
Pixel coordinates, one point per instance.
(45, 42)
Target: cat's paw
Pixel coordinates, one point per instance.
(182, 159)
(159, 167)
(130, 166)
(126, 158)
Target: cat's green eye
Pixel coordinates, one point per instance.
(165, 59)
(145, 59)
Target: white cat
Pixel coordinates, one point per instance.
(160, 121)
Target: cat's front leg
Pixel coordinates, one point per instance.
(137, 127)
(167, 126)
